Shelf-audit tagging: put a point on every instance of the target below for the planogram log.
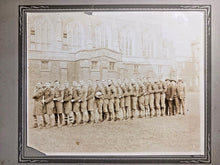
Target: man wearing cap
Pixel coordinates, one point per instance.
(157, 91)
(175, 97)
(58, 104)
(141, 98)
(83, 103)
(146, 96)
(170, 97)
(163, 88)
(134, 95)
(151, 97)
(181, 96)
(90, 101)
(127, 95)
(38, 106)
(122, 100)
(48, 101)
(99, 93)
(76, 100)
(67, 105)
(167, 82)
(116, 100)
(106, 96)
(111, 100)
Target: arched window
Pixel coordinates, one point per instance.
(126, 44)
(59, 29)
(102, 37)
(33, 37)
(41, 34)
(74, 36)
(148, 45)
(46, 34)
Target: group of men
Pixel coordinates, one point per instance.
(107, 100)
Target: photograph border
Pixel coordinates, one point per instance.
(23, 149)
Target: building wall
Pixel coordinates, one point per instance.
(70, 46)
(64, 32)
(190, 71)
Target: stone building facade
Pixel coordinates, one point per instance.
(67, 47)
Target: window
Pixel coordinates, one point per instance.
(32, 32)
(46, 34)
(41, 34)
(44, 65)
(136, 67)
(64, 35)
(148, 44)
(32, 39)
(101, 36)
(147, 50)
(94, 65)
(125, 43)
(112, 66)
(74, 36)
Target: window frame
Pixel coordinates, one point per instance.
(136, 66)
(114, 66)
(97, 64)
(48, 69)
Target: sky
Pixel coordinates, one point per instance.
(179, 27)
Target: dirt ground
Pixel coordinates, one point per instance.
(159, 134)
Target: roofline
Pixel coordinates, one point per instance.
(95, 49)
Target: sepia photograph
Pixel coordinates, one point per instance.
(116, 82)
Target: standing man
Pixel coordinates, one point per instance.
(163, 88)
(67, 105)
(151, 97)
(127, 95)
(58, 102)
(167, 81)
(99, 93)
(48, 101)
(134, 95)
(122, 98)
(146, 96)
(157, 92)
(111, 100)
(181, 96)
(175, 97)
(118, 94)
(83, 103)
(141, 98)
(77, 95)
(169, 97)
(38, 106)
(90, 101)
(106, 96)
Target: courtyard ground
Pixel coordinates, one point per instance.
(158, 134)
